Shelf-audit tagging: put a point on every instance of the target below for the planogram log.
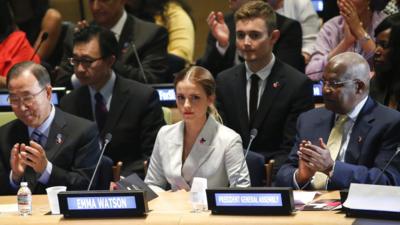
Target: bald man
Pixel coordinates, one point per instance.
(348, 141)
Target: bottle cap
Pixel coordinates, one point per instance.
(24, 184)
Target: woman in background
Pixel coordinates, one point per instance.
(352, 31)
(385, 85)
(14, 46)
(198, 146)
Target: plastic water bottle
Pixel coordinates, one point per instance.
(24, 197)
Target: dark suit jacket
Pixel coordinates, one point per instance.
(74, 159)
(373, 141)
(151, 43)
(134, 119)
(287, 49)
(287, 94)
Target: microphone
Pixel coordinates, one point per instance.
(43, 38)
(139, 63)
(253, 135)
(107, 140)
(387, 165)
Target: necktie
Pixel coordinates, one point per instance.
(334, 144)
(100, 111)
(253, 97)
(36, 136)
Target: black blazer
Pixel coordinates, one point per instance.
(287, 48)
(151, 43)
(287, 94)
(134, 119)
(72, 147)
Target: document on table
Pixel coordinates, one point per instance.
(303, 197)
(8, 208)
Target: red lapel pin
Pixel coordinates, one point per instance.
(276, 84)
(202, 141)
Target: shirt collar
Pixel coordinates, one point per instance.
(264, 72)
(107, 89)
(353, 114)
(117, 28)
(44, 128)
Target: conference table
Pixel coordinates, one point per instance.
(175, 208)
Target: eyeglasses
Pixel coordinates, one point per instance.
(335, 84)
(382, 44)
(84, 62)
(26, 100)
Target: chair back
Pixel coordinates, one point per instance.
(255, 164)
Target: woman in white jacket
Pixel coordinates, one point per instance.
(197, 146)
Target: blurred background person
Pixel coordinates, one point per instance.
(385, 85)
(35, 17)
(198, 146)
(175, 16)
(352, 31)
(14, 46)
(304, 12)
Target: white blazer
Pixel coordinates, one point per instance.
(217, 155)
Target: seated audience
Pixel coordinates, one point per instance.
(45, 146)
(221, 52)
(263, 92)
(385, 85)
(352, 31)
(127, 109)
(350, 140)
(140, 44)
(198, 146)
(14, 47)
(174, 15)
(35, 17)
(304, 12)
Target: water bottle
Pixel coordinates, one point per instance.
(24, 197)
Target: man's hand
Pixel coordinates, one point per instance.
(304, 173)
(16, 162)
(80, 25)
(218, 28)
(317, 158)
(35, 157)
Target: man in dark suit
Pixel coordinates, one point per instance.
(263, 93)
(147, 39)
(127, 109)
(348, 141)
(45, 146)
(221, 51)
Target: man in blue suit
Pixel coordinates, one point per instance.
(348, 141)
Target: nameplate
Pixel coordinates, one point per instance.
(260, 201)
(102, 204)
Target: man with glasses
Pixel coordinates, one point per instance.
(142, 46)
(350, 140)
(45, 146)
(127, 109)
(268, 94)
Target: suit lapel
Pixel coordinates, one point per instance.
(118, 103)
(56, 136)
(84, 103)
(360, 131)
(275, 83)
(240, 95)
(126, 38)
(323, 127)
(201, 150)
